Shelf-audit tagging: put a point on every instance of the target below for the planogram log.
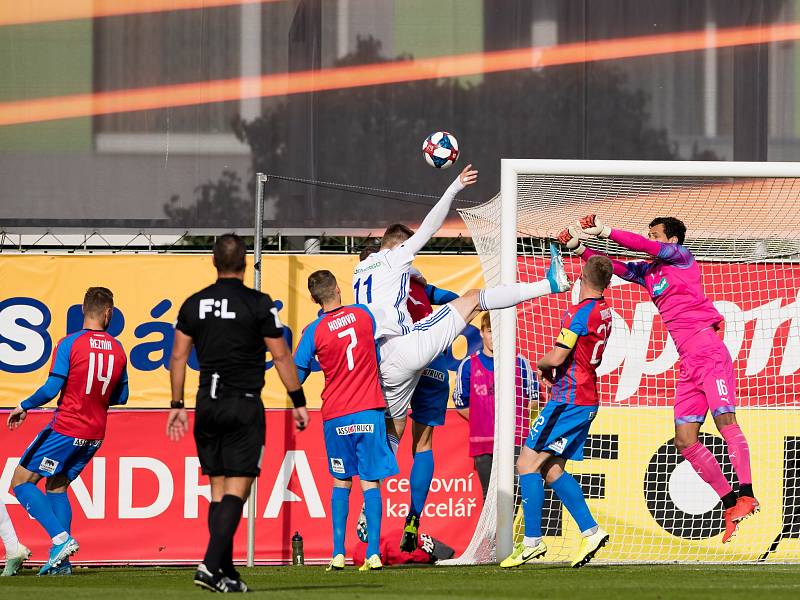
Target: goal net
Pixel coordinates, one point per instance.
(743, 224)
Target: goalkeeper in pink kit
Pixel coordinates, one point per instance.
(706, 380)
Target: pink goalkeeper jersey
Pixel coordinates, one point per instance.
(673, 281)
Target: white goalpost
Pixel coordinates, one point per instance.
(743, 223)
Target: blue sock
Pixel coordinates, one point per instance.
(420, 480)
(373, 510)
(37, 505)
(571, 495)
(531, 486)
(62, 509)
(340, 506)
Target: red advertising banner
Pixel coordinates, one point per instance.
(759, 303)
(143, 498)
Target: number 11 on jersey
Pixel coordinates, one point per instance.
(367, 290)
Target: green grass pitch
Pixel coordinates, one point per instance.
(545, 581)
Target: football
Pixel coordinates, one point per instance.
(440, 149)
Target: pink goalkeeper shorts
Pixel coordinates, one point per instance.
(706, 379)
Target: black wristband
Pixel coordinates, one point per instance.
(176, 404)
(298, 398)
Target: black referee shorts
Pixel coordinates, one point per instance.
(229, 432)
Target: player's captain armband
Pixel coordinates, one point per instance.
(567, 339)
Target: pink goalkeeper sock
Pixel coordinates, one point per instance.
(739, 452)
(707, 466)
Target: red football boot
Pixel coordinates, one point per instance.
(731, 525)
(745, 506)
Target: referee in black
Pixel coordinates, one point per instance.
(232, 327)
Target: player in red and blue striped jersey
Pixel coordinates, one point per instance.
(560, 431)
(342, 340)
(89, 371)
(428, 409)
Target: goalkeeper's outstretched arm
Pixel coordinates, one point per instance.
(570, 238)
(675, 254)
(435, 218)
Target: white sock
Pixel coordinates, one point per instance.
(504, 296)
(7, 533)
(61, 538)
(531, 542)
(394, 443)
(590, 531)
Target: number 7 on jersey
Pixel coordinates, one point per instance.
(353, 341)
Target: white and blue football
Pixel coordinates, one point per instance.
(440, 149)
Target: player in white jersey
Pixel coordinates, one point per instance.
(381, 280)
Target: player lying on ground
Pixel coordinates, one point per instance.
(16, 552)
(707, 381)
(429, 550)
(89, 370)
(559, 433)
(342, 340)
(382, 280)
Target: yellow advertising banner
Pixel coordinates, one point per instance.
(41, 297)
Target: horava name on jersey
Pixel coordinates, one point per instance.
(340, 322)
(355, 428)
(99, 344)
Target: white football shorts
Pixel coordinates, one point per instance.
(403, 357)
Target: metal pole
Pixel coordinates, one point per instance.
(258, 236)
(261, 180)
(505, 369)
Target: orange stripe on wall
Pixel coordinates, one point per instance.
(17, 12)
(206, 92)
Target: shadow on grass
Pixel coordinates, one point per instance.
(311, 588)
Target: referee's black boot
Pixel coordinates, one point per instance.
(235, 584)
(213, 583)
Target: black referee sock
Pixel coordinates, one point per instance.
(227, 558)
(223, 526)
(212, 510)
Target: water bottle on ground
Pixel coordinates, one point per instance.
(297, 549)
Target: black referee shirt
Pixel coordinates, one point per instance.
(228, 323)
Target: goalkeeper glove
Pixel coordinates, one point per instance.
(592, 225)
(570, 238)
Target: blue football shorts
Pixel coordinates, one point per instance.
(561, 429)
(51, 453)
(356, 445)
(429, 402)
